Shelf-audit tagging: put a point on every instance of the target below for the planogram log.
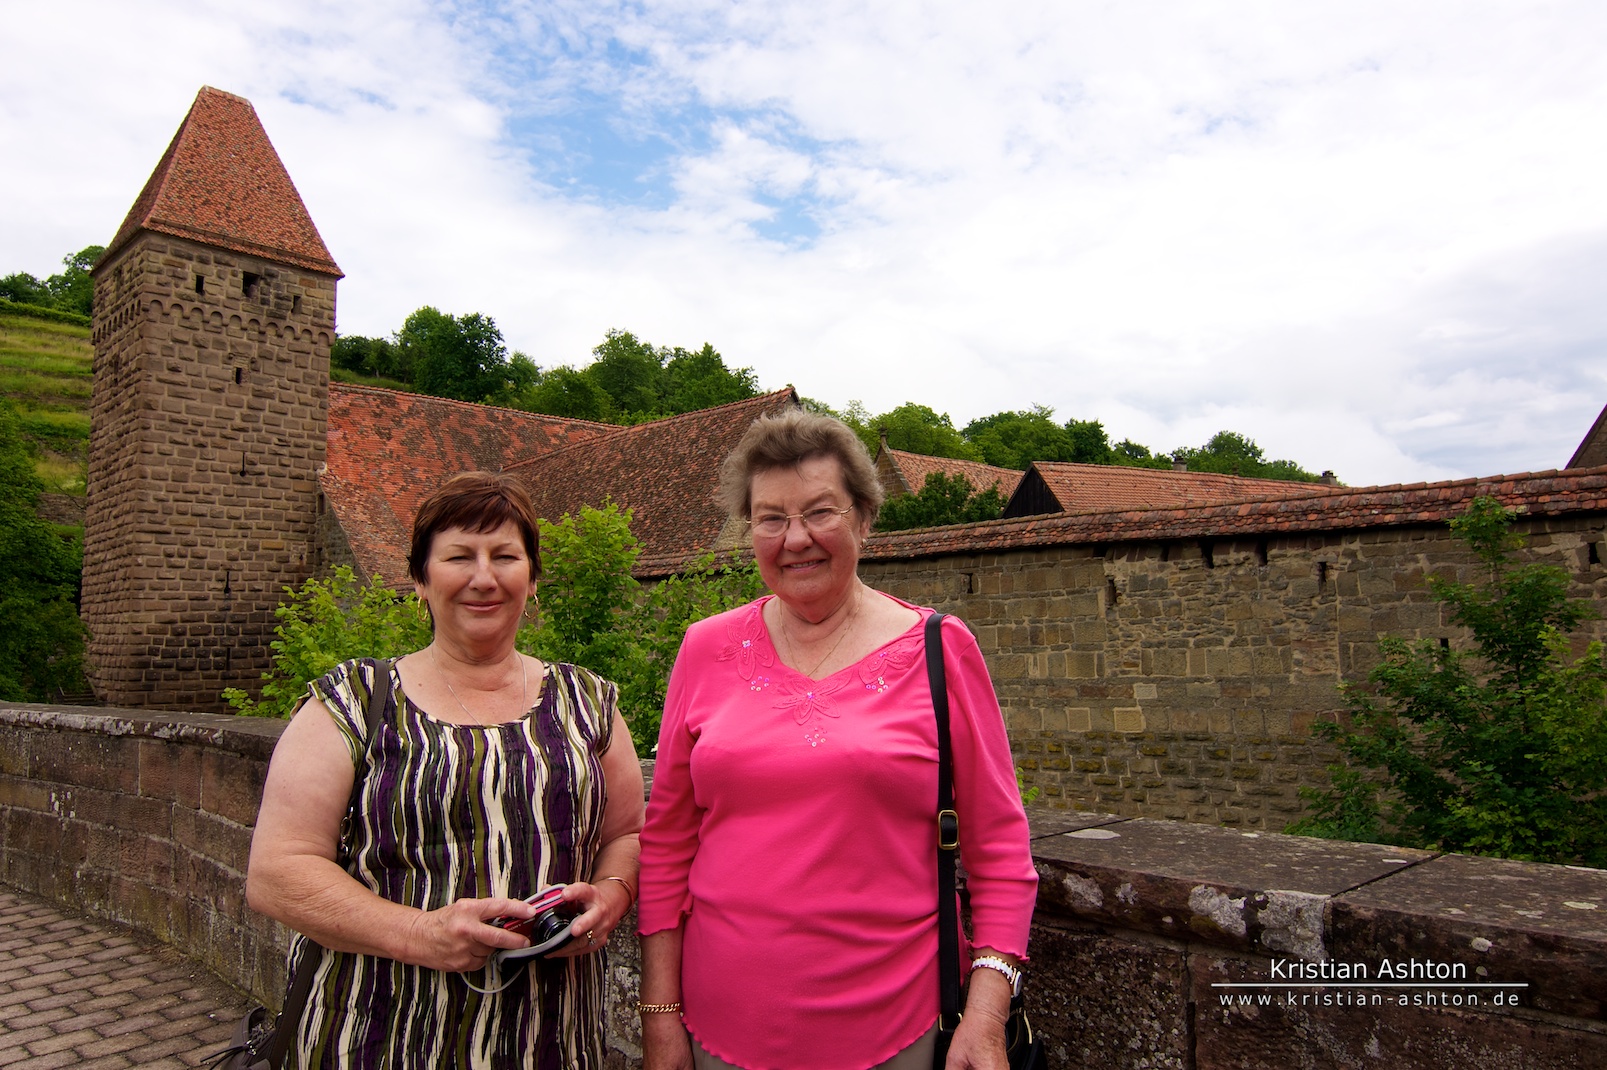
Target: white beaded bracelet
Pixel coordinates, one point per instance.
(993, 962)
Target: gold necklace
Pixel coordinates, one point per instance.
(524, 686)
(842, 634)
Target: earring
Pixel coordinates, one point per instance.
(424, 617)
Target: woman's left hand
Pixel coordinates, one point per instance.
(605, 904)
(978, 1043)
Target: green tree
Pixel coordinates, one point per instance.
(42, 642)
(941, 500)
(631, 373)
(564, 391)
(378, 357)
(594, 613)
(326, 621)
(700, 380)
(24, 289)
(448, 356)
(1498, 749)
(916, 429)
(1016, 439)
(1134, 455)
(73, 290)
(1231, 453)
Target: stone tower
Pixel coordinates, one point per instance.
(214, 313)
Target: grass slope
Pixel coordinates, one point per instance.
(45, 373)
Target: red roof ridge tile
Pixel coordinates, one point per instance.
(618, 432)
(466, 405)
(1548, 492)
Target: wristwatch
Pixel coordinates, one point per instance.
(1011, 973)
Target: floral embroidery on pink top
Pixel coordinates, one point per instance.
(893, 658)
(749, 646)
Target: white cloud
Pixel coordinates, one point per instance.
(1367, 235)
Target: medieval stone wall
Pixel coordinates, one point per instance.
(1155, 945)
(207, 430)
(1180, 679)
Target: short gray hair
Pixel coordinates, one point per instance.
(786, 439)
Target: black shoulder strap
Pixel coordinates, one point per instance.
(948, 836)
(284, 1029)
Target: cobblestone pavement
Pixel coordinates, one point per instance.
(90, 995)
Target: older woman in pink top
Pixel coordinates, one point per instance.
(788, 902)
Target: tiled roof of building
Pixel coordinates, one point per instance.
(1100, 488)
(911, 469)
(666, 472)
(1340, 509)
(1593, 447)
(221, 183)
(386, 451)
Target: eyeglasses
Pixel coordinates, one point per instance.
(815, 521)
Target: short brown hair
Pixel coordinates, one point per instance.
(789, 438)
(473, 501)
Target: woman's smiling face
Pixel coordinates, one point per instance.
(477, 583)
(810, 571)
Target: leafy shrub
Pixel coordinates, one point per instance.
(42, 641)
(325, 622)
(1500, 749)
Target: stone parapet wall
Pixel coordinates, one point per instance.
(1180, 679)
(1141, 924)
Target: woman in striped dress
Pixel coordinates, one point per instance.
(490, 777)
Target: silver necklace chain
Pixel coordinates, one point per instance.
(524, 686)
(842, 634)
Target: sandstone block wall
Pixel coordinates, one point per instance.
(1180, 679)
(1155, 944)
(207, 428)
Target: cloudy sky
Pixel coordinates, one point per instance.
(1370, 236)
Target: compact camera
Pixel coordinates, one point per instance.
(547, 930)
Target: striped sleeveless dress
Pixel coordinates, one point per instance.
(460, 811)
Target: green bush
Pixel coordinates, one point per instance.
(325, 622)
(42, 641)
(1499, 749)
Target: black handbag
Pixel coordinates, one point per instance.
(1022, 1047)
(261, 1040)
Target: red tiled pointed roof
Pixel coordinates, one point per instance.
(1103, 488)
(666, 472)
(221, 183)
(911, 469)
(1581, 490)
(386, 451)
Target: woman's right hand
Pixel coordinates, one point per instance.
(666, 1045)
(459, 937)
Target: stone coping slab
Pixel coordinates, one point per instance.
(1255, 892)
(1489, 920)
(248, 736)
(1043, 823)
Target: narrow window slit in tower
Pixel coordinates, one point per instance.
(1593, 551)
(237, 377)
(1111, 594)
(1207, 555)
(295, 304)
(249, 282)
(1445, 643)
(200, 285)
(1322, 573)
(1261, 552)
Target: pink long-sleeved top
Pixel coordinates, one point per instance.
(792, 825)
